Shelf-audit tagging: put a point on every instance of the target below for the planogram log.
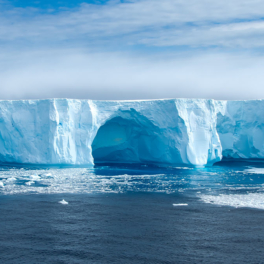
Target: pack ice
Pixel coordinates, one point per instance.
(171, 132)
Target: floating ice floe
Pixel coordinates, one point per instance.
(63, 202)
(30, 183)
(11, 179)
(180, 204)
(1, 184)
(255, 170)
(47, 174)
(252, 200)
(34, 177)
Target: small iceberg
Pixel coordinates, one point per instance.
(34, 177)
(11, 179)
(183, 204)
(63, 202)
(47, 175)
(29, 183)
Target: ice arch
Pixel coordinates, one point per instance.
(132, 138)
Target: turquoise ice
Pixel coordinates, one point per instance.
(164, 132)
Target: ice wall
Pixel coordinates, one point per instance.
(240, 125)
(81, 132)
(171, 132)
(45, 132)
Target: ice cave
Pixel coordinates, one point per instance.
(129, 139)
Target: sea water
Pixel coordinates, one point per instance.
(132, 214)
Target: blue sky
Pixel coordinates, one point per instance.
(132, 49)
(49, 4)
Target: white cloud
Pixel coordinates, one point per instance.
(242, 35)
(78, 53)
(155, 22)
(122, 76)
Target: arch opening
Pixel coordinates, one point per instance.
(128, 139)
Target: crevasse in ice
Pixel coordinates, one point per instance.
(167, 132)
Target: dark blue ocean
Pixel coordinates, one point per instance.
(136, 214)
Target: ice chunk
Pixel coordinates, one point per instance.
(30, 183)
(63, 202)
(34, 177)
(11, 179)
(47, 174)
(252, 200)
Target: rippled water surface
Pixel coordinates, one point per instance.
(136, 214)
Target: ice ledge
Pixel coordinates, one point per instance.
(169, 132)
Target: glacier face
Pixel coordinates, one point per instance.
(45, 132)
(178, 132)
(240, 125)
(167, 132)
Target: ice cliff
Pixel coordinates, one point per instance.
(171, 132)
(240, 125)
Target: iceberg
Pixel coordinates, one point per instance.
(63, 202)
(169, 132)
